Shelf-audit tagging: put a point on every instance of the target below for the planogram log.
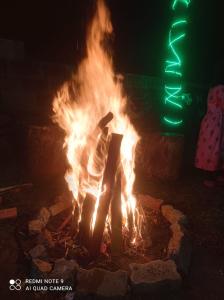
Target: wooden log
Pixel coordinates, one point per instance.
(8, 213)
(65, 222)
(86, 217)
(16, 187)
(129, 212)
(101, 126)
(105, 120)
(57, 208)
(89, 201)
(75, 220)
(105, 199)
(99, 158)
(116, 218)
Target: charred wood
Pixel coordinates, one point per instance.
(107, 190)
(116, 218)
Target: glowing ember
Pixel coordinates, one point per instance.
(79, 106)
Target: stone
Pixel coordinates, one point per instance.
(44, 215)
(70, 296)
(64, 269)
(148, 201)
(180, 248)
(42, 266)
(38, 251)
(154, 276)
(175, 241)
(173, 215)
(35, 226)
(100, 282)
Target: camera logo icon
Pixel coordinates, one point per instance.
(15, 284)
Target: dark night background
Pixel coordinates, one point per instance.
(31, 151)
(55, 31)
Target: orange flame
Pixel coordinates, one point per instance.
(79, 105)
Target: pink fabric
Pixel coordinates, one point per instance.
(210, 148)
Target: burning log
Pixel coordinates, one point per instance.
(90, 200)
(105, 120)
(129, 212)
(105, 199)
(101, 126)
(84, 226)
(116, 218)
(100, 150)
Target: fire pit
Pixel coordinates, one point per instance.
(155, 266)
(101, 236)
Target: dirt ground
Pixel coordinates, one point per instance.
(205, 211)
(204, 208)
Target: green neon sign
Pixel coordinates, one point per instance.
(172, 122)
(176, 2)
(173, 89)
(173, 95)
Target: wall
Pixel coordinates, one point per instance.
(28, 87)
